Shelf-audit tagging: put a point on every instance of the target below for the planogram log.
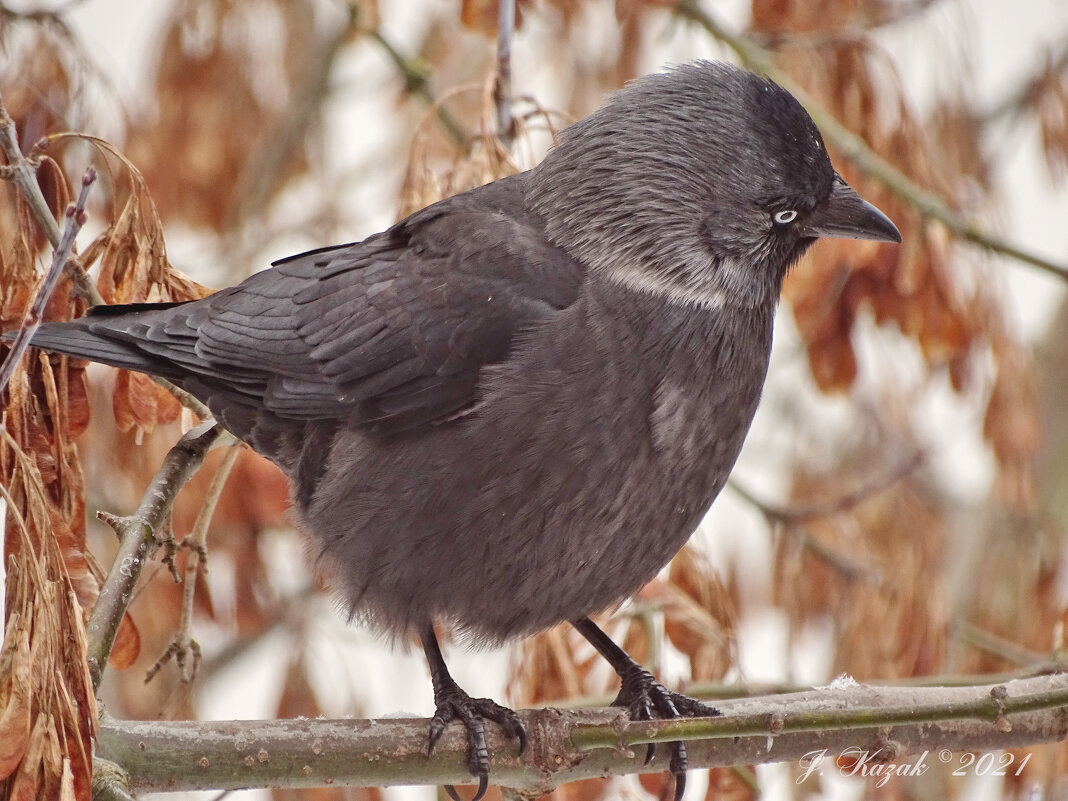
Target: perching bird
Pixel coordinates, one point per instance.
(513, 407)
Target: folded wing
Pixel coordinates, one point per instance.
(389, 334)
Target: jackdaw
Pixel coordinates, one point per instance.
(513, 407)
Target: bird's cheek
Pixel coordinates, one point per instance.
(726, 233)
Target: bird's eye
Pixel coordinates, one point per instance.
(784, 217)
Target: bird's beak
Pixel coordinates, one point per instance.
(846, 215)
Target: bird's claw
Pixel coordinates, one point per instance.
(455, 704)
(645, 698)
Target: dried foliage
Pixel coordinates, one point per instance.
(47, 707)
(1049, 97)
(911, 584)
(485, 159)
(222, 97)
(875, 571)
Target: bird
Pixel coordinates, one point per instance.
(511, 408)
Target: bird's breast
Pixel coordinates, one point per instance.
(593, 455)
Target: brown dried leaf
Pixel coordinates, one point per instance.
(788, 16)
(546, 669)
(26, 782)
(41, 74)
(833, 364)
(481, 15)
(67, 791)
(700, 618)
(15, 690)
(1012, 425)
(737, 783)
(52, 762)
(874, 570)
(636, 639)
(659, 785)
(486, 160)
(584, 790)
(207, 151)
(127, 646)
(132, 250)
(1050, 99)
(298, 698)
(139, 403)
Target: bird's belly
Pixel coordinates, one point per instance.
(509, 530)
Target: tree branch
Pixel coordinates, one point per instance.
(887, 723)
(75, 219)
(502, 89)
(138, 541)
(816, 510)
(417, 82)
(264, 168)
(183, 647)
(854, 149)
(22, 171)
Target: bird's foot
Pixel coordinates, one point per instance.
(645, 698)
(454, 704)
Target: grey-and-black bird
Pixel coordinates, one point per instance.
(513, 407)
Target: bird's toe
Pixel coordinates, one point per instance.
(645, 698)
(473, 713)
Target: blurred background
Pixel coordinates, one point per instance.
(898, 511)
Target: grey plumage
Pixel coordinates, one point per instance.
(513, 407)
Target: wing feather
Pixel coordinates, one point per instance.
(389, 334)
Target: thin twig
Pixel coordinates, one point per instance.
(138, 541)
(854, 149)
(22, 170)
(75, 219)
(502, 90)
(417, 82)
(264, 168)
(184, 648)
(1022, 96)
(991, 643)
(803, 513)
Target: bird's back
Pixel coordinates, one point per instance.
(388, 336)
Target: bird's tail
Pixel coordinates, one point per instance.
(108, 334)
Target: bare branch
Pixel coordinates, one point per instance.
(566, 745)
(502, 90)
(184, 648)
(75, 219)
(1016, 101)
(22, 170)
(138, 541)
(820, 509)
(417, 82)
(853, 148)
(264, 168)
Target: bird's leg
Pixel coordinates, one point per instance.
(452, 703)
(645, 698)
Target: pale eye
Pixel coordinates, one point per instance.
(784, 217)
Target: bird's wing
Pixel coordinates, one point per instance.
(388, 334)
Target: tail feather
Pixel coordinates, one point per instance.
(104, 338)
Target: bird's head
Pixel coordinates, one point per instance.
(703, 183)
